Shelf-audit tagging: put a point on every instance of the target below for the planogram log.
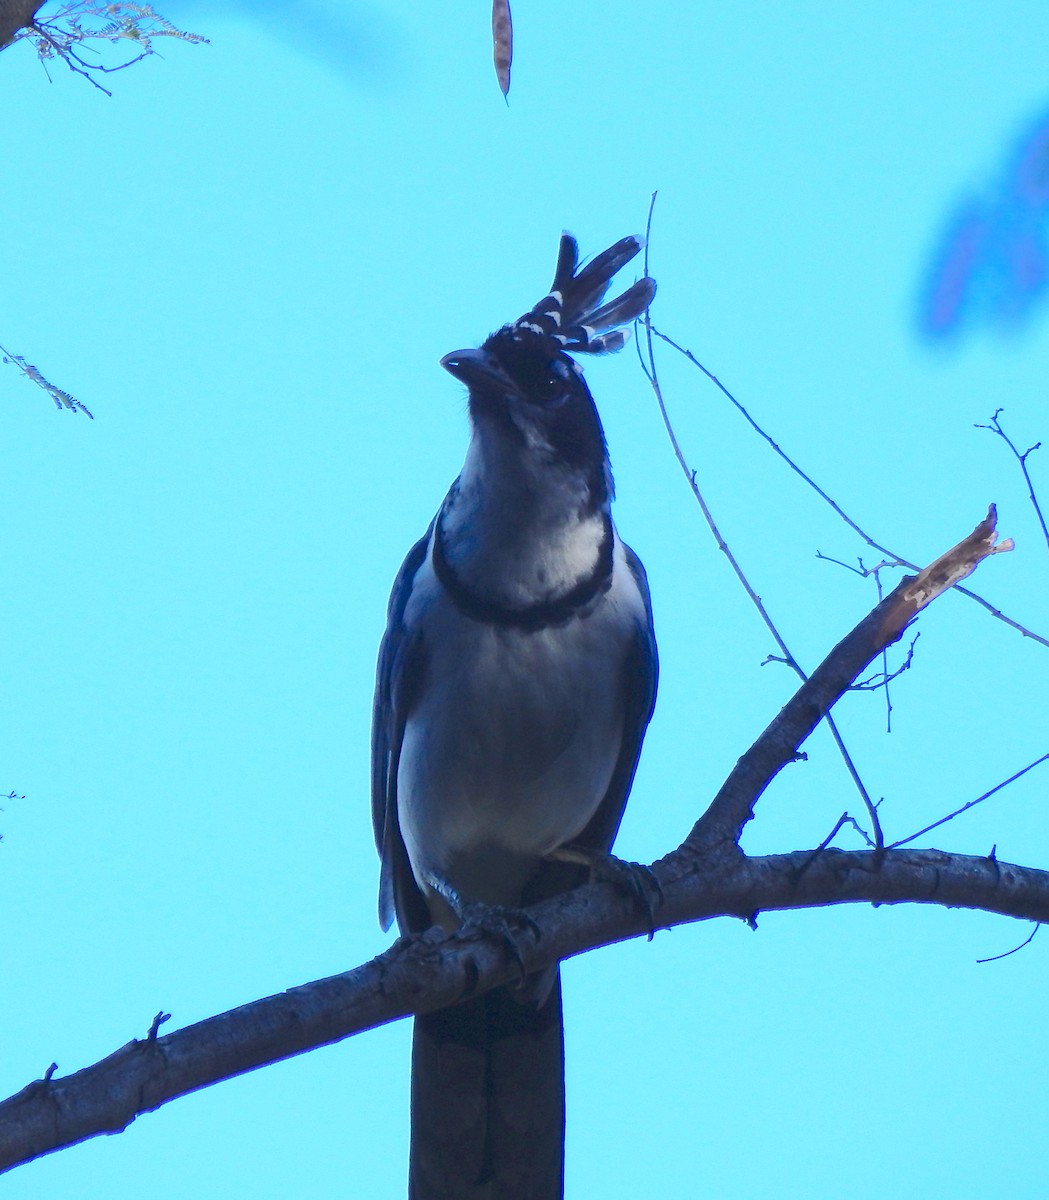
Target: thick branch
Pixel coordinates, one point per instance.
(431, 971)
(707, 876)
(15, 15)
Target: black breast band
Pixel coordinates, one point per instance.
(532, 616)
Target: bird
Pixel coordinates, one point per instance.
(516, 678)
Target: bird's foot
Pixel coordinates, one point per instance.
(480, 920)
(636, 879)
(506, 925)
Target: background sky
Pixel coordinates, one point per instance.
(247, 264)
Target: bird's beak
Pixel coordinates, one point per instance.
(477, 368)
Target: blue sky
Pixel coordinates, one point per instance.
(247, 264)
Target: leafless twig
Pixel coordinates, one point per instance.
(995, 427)
(161, 1018)
(648, 365)
(860, 569)
(969, 804)
(1026, 942)
(881, 681)
(884, 677)
(995, 612)
(842, 821)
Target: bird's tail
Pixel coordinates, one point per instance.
(488, 1099)
(572, 313)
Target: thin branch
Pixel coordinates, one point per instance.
(995, 427)
(648, 365)
(49, 45)
(861, 787)
(970, 804)
(723, 822)
(1016, 949)
(61, 398)
(995, 612)
(874, 683)
(885, 677)
(842, 821)
(65, 34)
(885, 658)
(860, 569)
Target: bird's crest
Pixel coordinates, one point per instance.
(572, 314)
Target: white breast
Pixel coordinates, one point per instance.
(512, 744)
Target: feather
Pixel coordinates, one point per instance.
(572, 313)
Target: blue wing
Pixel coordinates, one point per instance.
(640, 680)
(399, 674)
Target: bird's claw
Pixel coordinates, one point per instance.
(500, 922)
(636, 879)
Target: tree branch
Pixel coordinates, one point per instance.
(433, 970)
(733, 806)
(707, 876)
(16, 15)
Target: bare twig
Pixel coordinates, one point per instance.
(860, 569)
(648, 365)
(874, 683)
(970, 804)
(1016, 949)
(986, 604)
(886, 676)
(885, 658)
(861, 787)
(995, 427)
(154, 1029)
(842, 821)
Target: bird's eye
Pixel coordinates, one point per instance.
(550, 384)
(549, 387)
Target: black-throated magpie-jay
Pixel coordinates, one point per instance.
(515, 682)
